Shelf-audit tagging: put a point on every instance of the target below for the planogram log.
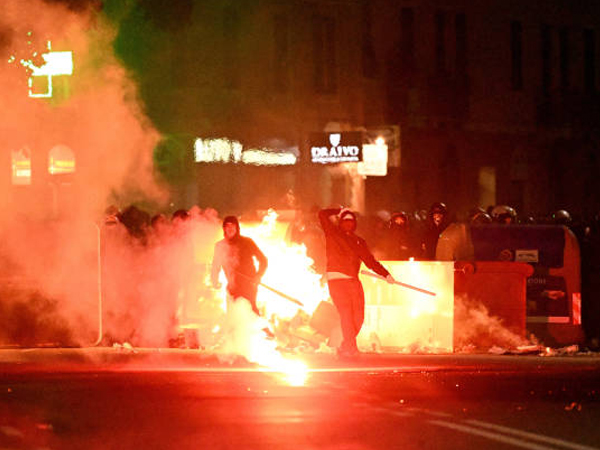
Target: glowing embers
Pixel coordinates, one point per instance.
(295, 372)
(21, 167)
(396, 317)
(61, 160)
(227, 151)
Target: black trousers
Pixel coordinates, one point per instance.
(245, 290)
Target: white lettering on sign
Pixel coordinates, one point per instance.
(336, 147)
(340, 153)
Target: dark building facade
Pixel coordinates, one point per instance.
(495, 102)
(482, 103)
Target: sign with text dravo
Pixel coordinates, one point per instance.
(331, 148)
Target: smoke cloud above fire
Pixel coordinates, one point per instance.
(48, 231)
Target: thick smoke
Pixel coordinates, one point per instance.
(156, 281)
(477, 330)
(49, 234)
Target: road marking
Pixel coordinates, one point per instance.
(490, 435)
(533, 436)
(431, 413)
(392, 412)
(438, 414)
(507, 430)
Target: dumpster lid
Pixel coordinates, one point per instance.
(536, 244)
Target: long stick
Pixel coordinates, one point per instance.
(281, 294)
(409, 286)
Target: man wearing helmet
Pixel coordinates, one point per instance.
(504, 214)
(437, 221)
(399, 241)
(562, 217)
(345, 251)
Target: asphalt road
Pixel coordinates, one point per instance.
(425, 402)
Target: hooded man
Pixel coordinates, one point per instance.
(345, 252)
(399, 239)
(437, 222)
(236, 255)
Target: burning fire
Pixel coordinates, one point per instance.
(245, 336)
(387, 308)
(289, 276)
(289, 270)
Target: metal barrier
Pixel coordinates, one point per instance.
(99, 278)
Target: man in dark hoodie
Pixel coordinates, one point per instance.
(399, 240)
(236, 255)
(437, 222)
(345, 252)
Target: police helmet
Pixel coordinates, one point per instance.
(439, 208)
(503, 214)
(481, 218)
(561, 217)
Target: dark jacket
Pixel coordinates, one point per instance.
(345, 251)
(400, 243)
(236, 257)
(429, 239)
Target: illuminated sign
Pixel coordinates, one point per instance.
(226, 151)
(328, 148)
(217, 150)
(262, 157)
(375, 159)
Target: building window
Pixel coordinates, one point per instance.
(440, 42)
(324, 51)
(563, 42)
(61, 160)
(369, 67)
(407, 39)
(516, 50)
(461, 44)
(231, 33)
(21, 167)
(589, 56)
(546, 51)
(281, 52)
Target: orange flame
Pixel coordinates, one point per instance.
(289, 271)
